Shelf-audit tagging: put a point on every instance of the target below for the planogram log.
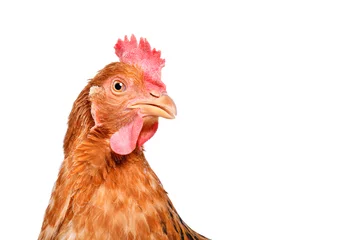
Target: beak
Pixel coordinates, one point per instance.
(162, 106)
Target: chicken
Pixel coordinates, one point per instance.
(106, 188)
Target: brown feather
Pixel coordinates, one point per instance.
(102, 195)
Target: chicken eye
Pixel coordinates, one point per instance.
(118, 86)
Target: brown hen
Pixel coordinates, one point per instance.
(106, 188)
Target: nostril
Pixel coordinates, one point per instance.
(155, 94)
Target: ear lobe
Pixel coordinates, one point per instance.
(94, 91)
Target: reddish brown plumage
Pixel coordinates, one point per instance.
(100, 194)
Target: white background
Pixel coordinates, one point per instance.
(266, 142)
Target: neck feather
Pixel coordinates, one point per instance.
(79, 123)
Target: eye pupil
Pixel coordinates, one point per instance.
(118, 86)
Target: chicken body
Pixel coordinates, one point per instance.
(106, 188)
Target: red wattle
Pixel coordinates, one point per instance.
(124, 140)
(147, 133)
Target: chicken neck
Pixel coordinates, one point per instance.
(123, 192)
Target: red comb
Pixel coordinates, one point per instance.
(129, 51)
